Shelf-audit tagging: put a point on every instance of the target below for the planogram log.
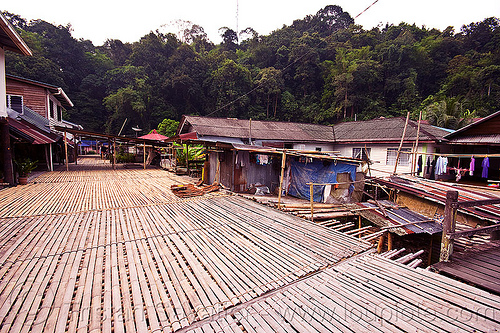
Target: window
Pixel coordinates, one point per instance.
(404, 158)
(59, 113)
(51, 110)
(15, 103)
(361, 153)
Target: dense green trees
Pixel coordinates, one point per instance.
(322, 68)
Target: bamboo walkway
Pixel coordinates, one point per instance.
(367, 293)
(95, 249)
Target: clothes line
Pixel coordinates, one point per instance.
(453, 155)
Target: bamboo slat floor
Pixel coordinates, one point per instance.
(95, 249)
(367, 293)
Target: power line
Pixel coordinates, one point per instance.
(285, 68)
(366, 9)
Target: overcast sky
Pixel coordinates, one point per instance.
(129, 21)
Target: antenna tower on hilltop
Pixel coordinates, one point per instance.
(237, 28)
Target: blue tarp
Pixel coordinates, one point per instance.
(317, 171)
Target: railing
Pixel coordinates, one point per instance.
(449, 222)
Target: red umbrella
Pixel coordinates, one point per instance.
(154, 135)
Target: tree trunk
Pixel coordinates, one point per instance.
(275, 105)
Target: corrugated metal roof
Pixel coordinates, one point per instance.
(399, 216)
(386, 129)
(256, 129)
(33, 132)
(487, 139)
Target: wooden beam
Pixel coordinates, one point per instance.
(471, 232)
(414, 164)
(474, 203)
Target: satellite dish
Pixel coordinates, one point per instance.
(137, 129)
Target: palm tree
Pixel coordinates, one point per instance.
(448, 113)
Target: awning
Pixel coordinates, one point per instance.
(34, 135)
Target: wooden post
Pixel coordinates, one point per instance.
(429, 259)
(389, 241)
(414, 164)
(66, 150)
(283, 161)
(114, 153)
(311, 194)
(401, 143)
(450, 211)
(217, 172)
(5, 151)
(75, 152)
(187, 159)
(359, 225)
(50, 158)
(174, 156)
(144, 157)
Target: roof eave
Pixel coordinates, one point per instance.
(19, 46)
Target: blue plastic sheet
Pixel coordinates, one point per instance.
(317, 171)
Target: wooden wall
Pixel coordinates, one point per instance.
(33, 97)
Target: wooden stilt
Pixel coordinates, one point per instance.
(381, 242)
(450, 212)
(429, 260)
(114, 154)
(311, 193)
(359, 225)
(187, 159)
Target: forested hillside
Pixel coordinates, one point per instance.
(321, 69)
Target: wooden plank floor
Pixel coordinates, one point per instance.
(367, 293)
(479, 266)
(96, 249)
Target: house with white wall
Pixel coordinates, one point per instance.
(378, 140)
(276, 134)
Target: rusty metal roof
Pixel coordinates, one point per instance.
(256, 129)
(435, 191)
(32, 133)
(410, 222)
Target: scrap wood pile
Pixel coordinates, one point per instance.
(323, 211)
(191, 190)
(327, 215)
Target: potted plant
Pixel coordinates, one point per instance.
(24, 168)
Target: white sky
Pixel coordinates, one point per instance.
(130, 20)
